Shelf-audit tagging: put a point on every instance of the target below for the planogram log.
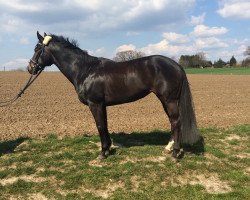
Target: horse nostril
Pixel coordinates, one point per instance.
(29, 68)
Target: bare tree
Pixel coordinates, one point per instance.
(246, 62)
(198, 59)
(194, 61)
(247, 52)
(128, 55)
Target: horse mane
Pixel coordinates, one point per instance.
(69, 43)
(72, 44)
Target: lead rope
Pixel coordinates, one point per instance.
(29, 82)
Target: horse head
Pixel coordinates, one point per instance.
(42, 56)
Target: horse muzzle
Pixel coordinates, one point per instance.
(29, 69)
(33, 67)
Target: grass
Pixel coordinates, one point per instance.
(219, 71)
(67, 168)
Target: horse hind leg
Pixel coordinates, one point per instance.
(172, 110)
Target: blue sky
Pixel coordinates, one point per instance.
(172, 28)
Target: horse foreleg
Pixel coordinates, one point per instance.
(99, 113)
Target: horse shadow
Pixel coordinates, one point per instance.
(155, 138)
(9, 146)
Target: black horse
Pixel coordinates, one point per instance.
(100, 82)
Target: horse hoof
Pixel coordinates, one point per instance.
(167, 151)
(101, 157)
(175, 160)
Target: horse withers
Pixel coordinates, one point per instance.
(100, 82)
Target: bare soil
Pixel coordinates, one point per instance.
(51, 106)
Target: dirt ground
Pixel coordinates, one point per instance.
(51, 105)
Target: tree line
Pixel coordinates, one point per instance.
(190, 61)
(199, 61)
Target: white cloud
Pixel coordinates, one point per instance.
(240, 42)
(10, 23)
(197, 20)
(93, 16)
(238, 53)
(201, 39)
(92, 21)
(175, 37)
(126, 47)
(132, 33)
(93, 4)
(205, 31)
(209, 43)
(241, 51)
(242, 48)
(156, 48)
(24, 40)
(100, 52)
(16, 63)
(88, 20)
(144, 6)
(21, 6)
(239, 9)
(164, 47)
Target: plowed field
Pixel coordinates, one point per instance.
(51, 105)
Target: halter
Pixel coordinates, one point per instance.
(36, 67)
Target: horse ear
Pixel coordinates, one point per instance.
(45, 34)
(39, 37)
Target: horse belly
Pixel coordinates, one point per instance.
(125, 90)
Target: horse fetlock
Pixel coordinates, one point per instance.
(109, 144)
(175, 153)
(178, 153)
(107, 153)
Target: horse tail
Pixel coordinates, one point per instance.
(189, 131)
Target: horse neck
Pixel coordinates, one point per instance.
(70, 63)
